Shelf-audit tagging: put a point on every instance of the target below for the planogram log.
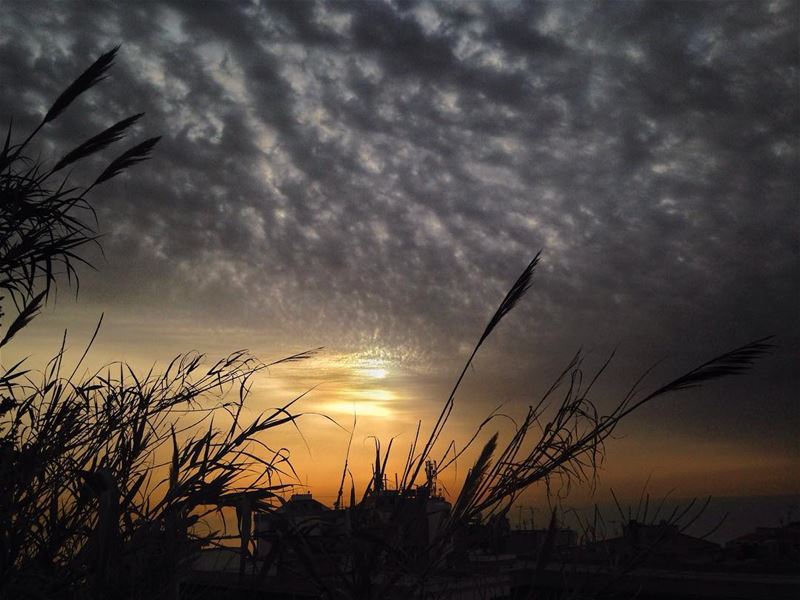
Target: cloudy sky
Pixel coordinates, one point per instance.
(372, 176)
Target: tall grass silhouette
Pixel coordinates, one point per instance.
(107, 478)
(559, 442)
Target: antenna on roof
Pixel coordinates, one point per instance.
(430, 475)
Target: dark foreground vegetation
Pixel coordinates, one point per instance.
(108, 479)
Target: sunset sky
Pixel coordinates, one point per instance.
(371, 177)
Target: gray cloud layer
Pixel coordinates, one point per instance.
(375, 174)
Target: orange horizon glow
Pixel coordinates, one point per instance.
(386, 399)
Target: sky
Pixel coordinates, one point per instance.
(371, 177)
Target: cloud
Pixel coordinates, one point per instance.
(376, 174)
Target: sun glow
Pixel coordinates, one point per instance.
(363, 402)
(361, 408)
(375, 373)
(370, 395)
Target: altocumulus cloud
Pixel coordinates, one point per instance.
(375, 173)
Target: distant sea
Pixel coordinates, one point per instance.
(742, 514)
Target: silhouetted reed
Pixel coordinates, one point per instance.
(43, 223)
(559, 442)
(108, 478)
